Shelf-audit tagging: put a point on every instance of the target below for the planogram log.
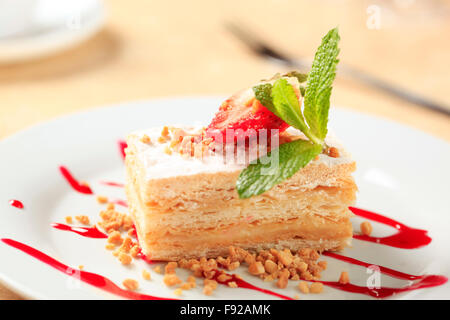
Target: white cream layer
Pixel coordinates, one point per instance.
(158, 164)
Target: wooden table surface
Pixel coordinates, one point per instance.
(157, 48)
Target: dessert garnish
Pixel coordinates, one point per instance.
(281, 99)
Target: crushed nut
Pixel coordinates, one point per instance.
(146, 275)
(115, 238)
(102, 199)
(134, 251)
(83, 219)
(322, 264)
(285, 257)
(366, 228)
(256, 268)
(191, 279)
(212, 283)
(234, 265)
(130, 284)
(316, 287)
(303, 286)
(124, 258)
(146, 139)
(170, 267)
(187, 285)
(165, 132)
(69, 220)
(270, 266)
(157, 269)
(283, 280)
(126, 246)
(207, 290)
(344, 278)
(171, 280)
(178, 292)
(224, 277)
(115, 221)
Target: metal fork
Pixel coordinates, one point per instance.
(263, 49)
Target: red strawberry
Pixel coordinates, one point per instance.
(243, 111)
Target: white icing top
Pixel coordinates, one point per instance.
(159, 164)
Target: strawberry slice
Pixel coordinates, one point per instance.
(243, 111)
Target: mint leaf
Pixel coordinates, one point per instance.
(286, 104)
(292, 157)
(263, 95)
(320, 80)
(263, 91)
(288, 108)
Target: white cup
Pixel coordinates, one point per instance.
(16, 16)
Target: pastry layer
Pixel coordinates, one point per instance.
(197, 212)
(307, 230)
(317, 218)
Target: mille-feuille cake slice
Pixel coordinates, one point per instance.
(185, 204)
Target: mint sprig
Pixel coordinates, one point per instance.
(281, 99)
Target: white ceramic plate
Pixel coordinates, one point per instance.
(402, 173)
(46, 27)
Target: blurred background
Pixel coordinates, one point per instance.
(140, 49)
(63, 56)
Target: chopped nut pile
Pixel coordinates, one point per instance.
(113, 220)
(278, 266)
(190, 145)
(269, 265)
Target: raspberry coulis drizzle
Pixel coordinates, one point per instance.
(120, 202)
(93, 279)
(405, 237)
(384, 292)
(77, 186)
(112, 184)
(88, 232)
(16, 203)
(388, 271)
(122, 146)
(82, 188)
